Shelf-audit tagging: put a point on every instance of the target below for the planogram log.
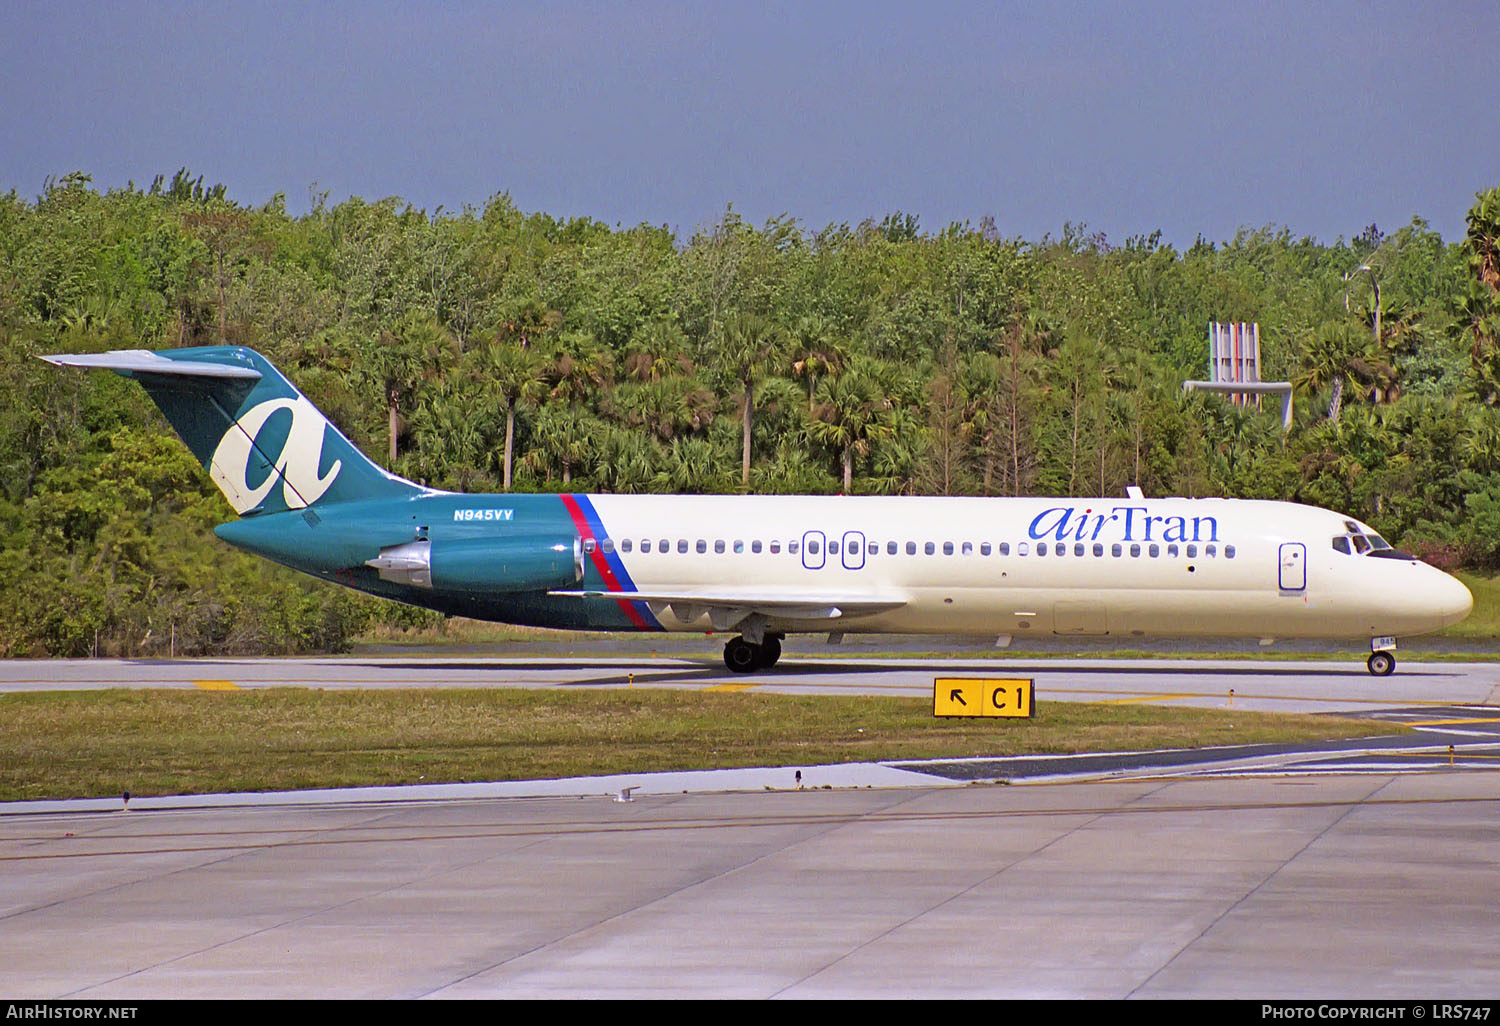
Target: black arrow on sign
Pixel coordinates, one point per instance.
(957, 695)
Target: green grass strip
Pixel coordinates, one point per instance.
(158, 742)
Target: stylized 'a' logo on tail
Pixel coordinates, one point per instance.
(250, 428)
(296, 467)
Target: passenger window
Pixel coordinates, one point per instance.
(1078, 548)
(702, 545)
(719, 546)
(947, 548)
(984, 548)
(1116, 550)
(1210, 550)
(1135, 550)
(1005, 549)
(1154, 550)
(812, 548)
(1041, 548)
(589, 545)
(608, 545)
(890, 548)
(625, 545)
(775, 547)
(1229, 552)
(663, 546)
(929, 548)
(755, 546)
(1172, 550)
(681, 544)
(792, 547)
(1098, 548)
(968, 549)
(1192, 552)
(911, 548)
(1021, 549)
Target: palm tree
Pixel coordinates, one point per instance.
(690, 465)
(1327, 362)
(581, 368)
(747, 344)
(657, 351)
(449, 440)
(850, 417)
(565, 439)
(420, 348)
(665, 408)
(624, 462)
(512, 375)
(818, 352)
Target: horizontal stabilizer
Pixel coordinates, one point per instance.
(143, 361)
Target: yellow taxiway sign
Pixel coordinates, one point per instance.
(982, 696)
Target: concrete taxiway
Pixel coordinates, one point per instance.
(1358, 872)
(1283, 686)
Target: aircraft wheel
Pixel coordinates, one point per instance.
(1381, 664)
(741, 656)
(770, 651)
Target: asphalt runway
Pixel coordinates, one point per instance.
(1365, 871)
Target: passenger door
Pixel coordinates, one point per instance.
(1293, 570)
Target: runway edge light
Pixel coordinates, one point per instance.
(1004, 697)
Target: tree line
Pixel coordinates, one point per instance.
(493, 349)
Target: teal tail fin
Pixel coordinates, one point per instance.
(264, 444)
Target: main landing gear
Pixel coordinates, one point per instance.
(1381, 664)
(743, 656)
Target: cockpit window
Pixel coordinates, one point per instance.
(1341, 544)
(1361, 543)
(1378, 542)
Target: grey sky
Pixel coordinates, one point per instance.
(1188, 117)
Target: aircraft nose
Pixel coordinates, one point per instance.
(1451, 600)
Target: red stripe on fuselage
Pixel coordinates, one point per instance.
(611, 582)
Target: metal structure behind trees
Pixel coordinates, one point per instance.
(1234, 368)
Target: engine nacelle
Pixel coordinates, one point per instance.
(513, 563)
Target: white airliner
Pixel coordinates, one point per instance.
(762, 567)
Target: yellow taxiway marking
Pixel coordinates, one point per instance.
(216, 685)
(730, 687)
(1450, 723)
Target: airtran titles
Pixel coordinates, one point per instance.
(1121, 523)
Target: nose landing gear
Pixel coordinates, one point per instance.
(743, 656)
(1381, 664)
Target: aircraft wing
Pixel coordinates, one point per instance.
(728, 607)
